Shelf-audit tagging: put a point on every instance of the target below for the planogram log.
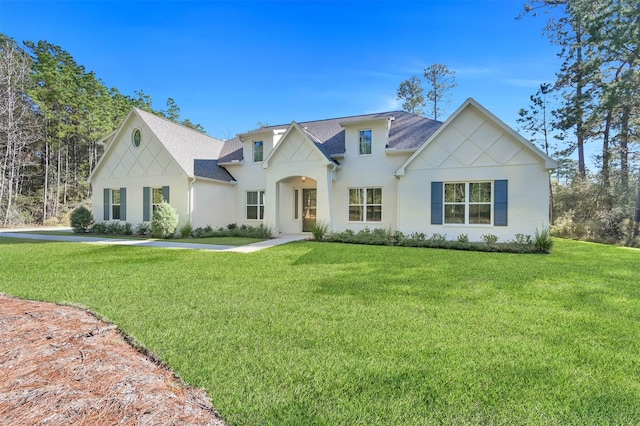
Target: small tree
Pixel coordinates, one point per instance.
(164, 221)
(81, 218)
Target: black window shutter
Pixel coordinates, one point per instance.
(107, 204)
(436, 203)
(500, 202)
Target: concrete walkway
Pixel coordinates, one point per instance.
(249, 248)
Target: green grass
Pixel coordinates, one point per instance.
(322, 333)
(222, 241)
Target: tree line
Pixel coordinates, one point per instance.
(52, 113)
(595, 101)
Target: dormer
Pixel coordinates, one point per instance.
(366, 138)
(257, 145)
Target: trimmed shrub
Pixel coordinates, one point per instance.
(164, 221)
(127, 229)
(99, 228)
(186, 231)
(489, 239)
(143, 229)
(115, 228)
(81, 219)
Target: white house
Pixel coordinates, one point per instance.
(470, 175)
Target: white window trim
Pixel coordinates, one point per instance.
(467, 203)
(152, 201)
(370, 146)
(365, 205)
(112, 216)
(247, 205)
(253, 151)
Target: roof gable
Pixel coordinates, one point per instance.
(183, 145)
(308, 139)
(492, 122)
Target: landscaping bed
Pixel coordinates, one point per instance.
(61, 365)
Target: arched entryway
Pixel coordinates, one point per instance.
(298, 203)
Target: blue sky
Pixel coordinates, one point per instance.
(230, 65)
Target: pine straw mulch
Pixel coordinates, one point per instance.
(60, 365)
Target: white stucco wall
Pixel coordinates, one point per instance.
(473, 148)
(366, 171)
(213, 203)
(250, 176)
(126, 166)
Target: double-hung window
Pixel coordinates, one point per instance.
(255, 205)
(258, 151)
(365, 142)
(468, 203)
(365, 204)
(152, 197)
(157, 198)
(115, 204)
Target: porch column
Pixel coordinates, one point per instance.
(271, 200)
(324, 210)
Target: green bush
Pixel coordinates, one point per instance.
(127, 229)
(232, 230)
(143, 229)
(99, 228)
(542, 240)
(164, 221)
(115, 228)
(489, 239)
(81, 219)
(417, 239)
(186, 231)
(319, 230)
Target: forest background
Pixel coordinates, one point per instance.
(53, 112)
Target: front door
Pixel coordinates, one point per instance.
(308, 209)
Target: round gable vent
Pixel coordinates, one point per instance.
(136, 138)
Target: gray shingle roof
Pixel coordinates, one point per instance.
(231, 151)
(209, 169)
(184, 144)
(408, 131)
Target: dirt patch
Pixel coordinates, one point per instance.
(61, 365)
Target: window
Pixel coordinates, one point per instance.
(365, 142)
(365, 204)
(151, 199)
(296, 204)
(467, 203)
(157, 198)
(115, 204)
(255, 205)
(258, 151)
(136, 137)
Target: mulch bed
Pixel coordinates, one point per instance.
(60, 365)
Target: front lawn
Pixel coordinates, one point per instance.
(324, 333)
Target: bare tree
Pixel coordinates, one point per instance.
(19, 129)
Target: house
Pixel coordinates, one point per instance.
(470, 175)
